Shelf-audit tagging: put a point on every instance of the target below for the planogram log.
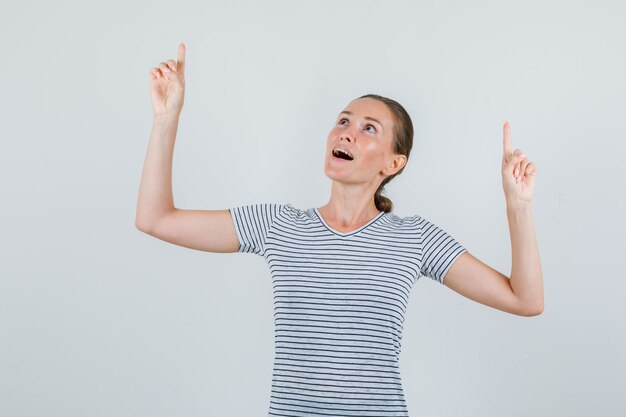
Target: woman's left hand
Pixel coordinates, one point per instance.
(518, 173)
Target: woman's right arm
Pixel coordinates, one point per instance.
(156, 215)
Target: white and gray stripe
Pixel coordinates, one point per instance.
(339, 304)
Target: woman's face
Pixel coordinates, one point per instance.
(365, 129)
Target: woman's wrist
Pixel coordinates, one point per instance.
(166, 118)
(516, 204)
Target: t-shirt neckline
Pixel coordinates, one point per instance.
(319, 216)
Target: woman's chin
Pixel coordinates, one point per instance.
(336, 174)
(338, 169)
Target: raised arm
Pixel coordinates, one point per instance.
(207, 230)
(522, 293)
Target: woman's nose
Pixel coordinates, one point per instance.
(346, 136)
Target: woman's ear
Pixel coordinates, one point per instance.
(396, 164)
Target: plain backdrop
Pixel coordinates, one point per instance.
(99, 319)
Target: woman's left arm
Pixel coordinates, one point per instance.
(522, 293)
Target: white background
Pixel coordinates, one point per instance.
(100, 319)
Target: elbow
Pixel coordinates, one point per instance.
(142, 226)
(148, 221)
(532, 311)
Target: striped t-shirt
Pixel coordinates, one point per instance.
(339, 304)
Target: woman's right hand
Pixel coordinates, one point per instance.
(167, 85)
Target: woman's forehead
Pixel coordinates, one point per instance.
(370, 109)
(368, 104)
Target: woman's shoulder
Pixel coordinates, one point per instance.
(403, 220)
(291, 211)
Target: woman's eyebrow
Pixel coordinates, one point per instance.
(366, 117)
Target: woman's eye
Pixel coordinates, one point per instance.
(372, 126)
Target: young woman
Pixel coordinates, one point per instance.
(342, 273)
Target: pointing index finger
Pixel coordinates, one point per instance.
(181, 57)
(507, 138)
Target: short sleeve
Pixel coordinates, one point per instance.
(439, 250)
(252, 224)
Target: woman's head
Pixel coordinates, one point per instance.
(378, 133)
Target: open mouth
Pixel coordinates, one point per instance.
(340, 154)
